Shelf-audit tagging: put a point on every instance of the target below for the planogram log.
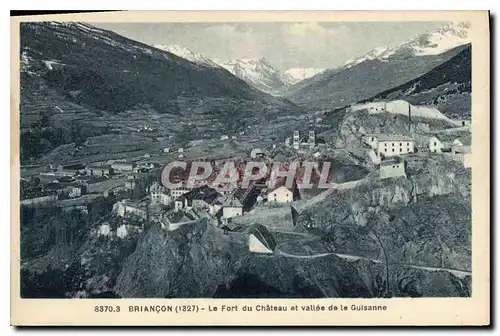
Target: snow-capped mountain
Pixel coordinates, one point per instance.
(451, 35)
(296, 75)
(187, 53)
(259, 73)
(380, 53)
(381, 69)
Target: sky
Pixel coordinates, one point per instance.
(284, 44)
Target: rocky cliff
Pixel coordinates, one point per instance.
(199, 261)
(188, 262)
(424, 219)
(399, 237)
(350, 126)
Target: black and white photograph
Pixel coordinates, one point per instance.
(269, 160)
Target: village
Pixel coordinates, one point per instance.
(143, 200)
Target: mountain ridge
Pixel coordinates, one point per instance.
(79, 81)
(380, 69)
(258, 72)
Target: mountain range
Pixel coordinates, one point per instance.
(447, 87)
(259, 72)
(79, 81)
(449, 36)
(380, 69)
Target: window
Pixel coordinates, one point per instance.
(400, 144)
(393, 149)
(373, 139)
(401, 149)
(385, 150)
(385, 144)
(435, 143)
(407, 144)
(393, 144)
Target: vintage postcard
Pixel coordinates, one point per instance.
(251, 168)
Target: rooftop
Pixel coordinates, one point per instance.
(263, 235)
(393, 137)
(233, 202)
(391, 162)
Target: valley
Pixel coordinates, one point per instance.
(388, 133)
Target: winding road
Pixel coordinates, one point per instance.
(349, 257)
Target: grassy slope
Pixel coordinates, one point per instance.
(338, 88)
(447, 86)
(97, 82)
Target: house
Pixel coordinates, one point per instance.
(260, 240)
(441, 143)
(204, 197)
(157, 186)
(104, 229)
(224, 137)
(160, 197)
(309, 140)
(257, 153)
(232, 207)
(73, 191)
(280, 195)
(178, 192)
(99, 169)
(389, 145)
(176, 217)
(197, 199)
(392, 168)
(123, 167)
(461, 145)
(70, 170)
(122, 231)
(123, 209)
(180, 150)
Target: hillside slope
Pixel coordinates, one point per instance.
(447, 87)
(341, 87)
(79, 81)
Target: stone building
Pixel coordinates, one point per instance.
(392, 168)
(232, 207)
(389, 145)
(280, 195)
